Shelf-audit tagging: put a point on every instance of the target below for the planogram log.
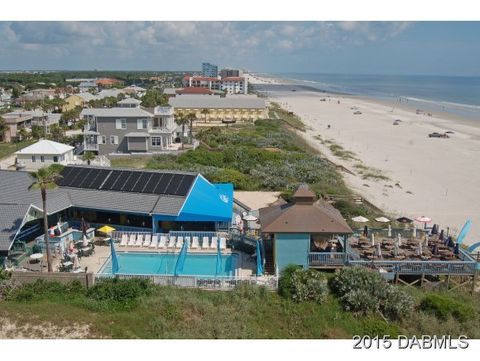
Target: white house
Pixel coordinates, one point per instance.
(44, 153)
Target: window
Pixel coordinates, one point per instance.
(34, 159)
(55, 159)
(142, 123)
(103, 139)
(121, 123)
(42, 159)
(156, 141)
(113, 139)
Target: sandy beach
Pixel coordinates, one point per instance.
(435, 177)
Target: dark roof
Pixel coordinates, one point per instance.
(11, 218)
(304, 215)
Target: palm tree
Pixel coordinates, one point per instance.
(46, 178)
(182, 120)
(191, 117)
(88, 157)
(205, 111)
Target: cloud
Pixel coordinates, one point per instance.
(175, 44)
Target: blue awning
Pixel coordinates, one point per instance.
(206, 202)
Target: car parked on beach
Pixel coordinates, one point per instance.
(357, 112)
(438, 135)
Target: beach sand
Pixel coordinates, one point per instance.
(435, 177)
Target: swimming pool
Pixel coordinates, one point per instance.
(141, 263)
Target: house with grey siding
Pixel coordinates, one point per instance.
(129, 129)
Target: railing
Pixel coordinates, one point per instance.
(321, 259)
(192, 234)
(420, 267)
(89, 146)
(204, 282)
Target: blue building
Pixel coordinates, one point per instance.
(133, 200)
(302, 232)
(209, 70)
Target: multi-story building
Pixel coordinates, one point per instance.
(129, 129)
(230, 85)
(234, 85)
(209, 70)
(227, 73)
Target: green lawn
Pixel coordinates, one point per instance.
(130, 161)
(243, 313)
(7, 149)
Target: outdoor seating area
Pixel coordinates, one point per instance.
(165, 241)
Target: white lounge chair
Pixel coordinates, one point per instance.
(163, 242)
(132, 240)
(179, 242)
(171, 241)
(223, 243)
(195, 243)
(154, 242)
(124, 240)
(148, 240)
(213, 245)
(205, 243)
(189, 241)
(139, 240)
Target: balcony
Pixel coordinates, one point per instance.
(91, 147)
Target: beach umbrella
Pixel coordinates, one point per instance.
(426, 239)
(382, 219)
(414, 231)
(84, 226)
(373, 239)
(106, 229)
(435, 250)
(404, 220)
(379, 250)
(365, 231)
(250, 218)
(259, 260)
(389, 231)
(115, 266)
(419, 249)
(463, 233)
(423, 220)
(399, 239)
(360, 219)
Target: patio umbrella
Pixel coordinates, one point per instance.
(106, 229)
(250, 218)
(463, 233)
(389, 231)
(423, 220)
(373, 239)
(115, 266)
(404, 220)
(360, 219)
(399, 239)
(379, 250)
(414, 231)
(419, 249)
(396, 250)
(84, 226)
(426, 239)
(382, 219)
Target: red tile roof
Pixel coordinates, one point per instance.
(194, 90)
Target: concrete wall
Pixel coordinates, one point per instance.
(291, 248)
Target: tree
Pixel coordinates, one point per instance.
(24, 134)
(88, 157)
(191, 117)
(3, 128)
(153, 98)
(182, 120)
(45, 179)
(38, 132)
(205, 112)
(57, 133)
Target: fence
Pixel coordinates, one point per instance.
(86, 279)
(213, 283)
(325, 259)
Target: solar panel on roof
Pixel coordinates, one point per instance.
(87, 178)
(99, 178)
(111, 180)
(141, 182)
(118, 185)
(80, 176)
(152, 183)
(163, 184)
(130, 181)
(173, 186)
(185, 185)
(67, 176)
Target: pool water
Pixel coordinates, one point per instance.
(164, 264)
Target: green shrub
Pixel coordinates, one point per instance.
(376, 327)
(41, 289)
(443, 307)
(125, 292)
(303, 285)
(365, 291)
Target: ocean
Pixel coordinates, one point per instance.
(454, 94)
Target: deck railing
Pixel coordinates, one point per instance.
(320, 259)
(420, 267)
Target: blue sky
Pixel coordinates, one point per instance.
(445, 48)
